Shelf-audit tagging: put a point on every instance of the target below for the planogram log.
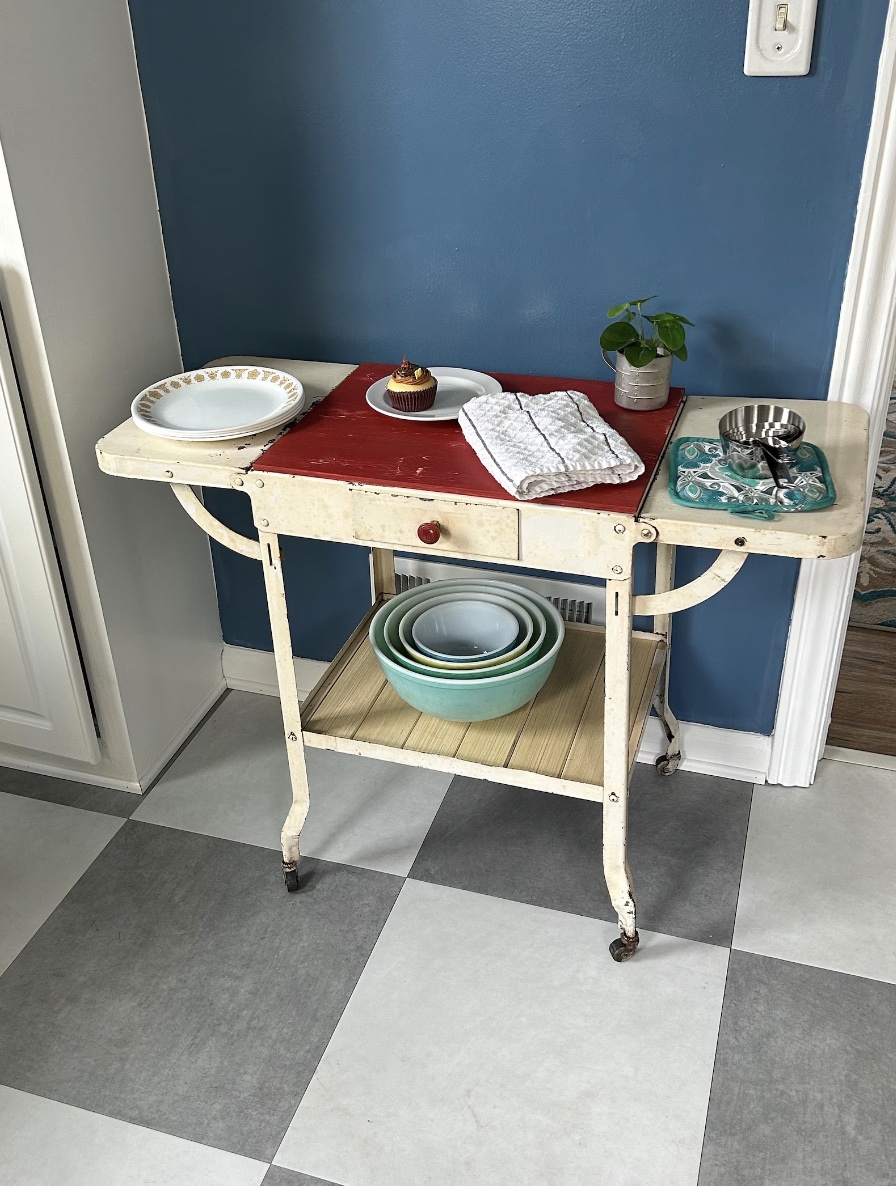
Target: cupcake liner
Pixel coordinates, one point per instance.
(412, 401)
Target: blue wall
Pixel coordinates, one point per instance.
(474, 184)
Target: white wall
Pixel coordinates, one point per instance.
(73, 134)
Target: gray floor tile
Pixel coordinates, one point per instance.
(819, 880)
(44, 849)
(277, 1176)
(45, 1143)
(490, 1043)
(232, 781)
(686, 845)
(179, 987)
(69, 794)
(804, 1089)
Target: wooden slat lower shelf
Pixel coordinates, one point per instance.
(555, 743)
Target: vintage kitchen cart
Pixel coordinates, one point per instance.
(345, 473)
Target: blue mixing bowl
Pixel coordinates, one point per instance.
(479, 699)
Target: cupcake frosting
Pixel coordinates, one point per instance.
(410, 375)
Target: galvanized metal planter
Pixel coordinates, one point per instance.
(641, 388)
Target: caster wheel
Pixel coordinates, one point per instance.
(666, 764)
(291, 877)
(623, 948)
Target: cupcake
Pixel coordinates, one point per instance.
(411, 388)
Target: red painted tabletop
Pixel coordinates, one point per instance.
(344, 438)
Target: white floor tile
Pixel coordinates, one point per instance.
(45, 1143)
(369, 813)
(819, 877)
(44, 849)
(232, 781)
(493, 1042)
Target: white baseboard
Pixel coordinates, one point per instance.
(38, 765)
(88, 778)
(728, 753)
(255, 671)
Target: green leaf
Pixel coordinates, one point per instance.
(681, 353)
(643, 301)
(617, 309)
(618, 335)
(656, 318)
(671, 334)
(639, 354)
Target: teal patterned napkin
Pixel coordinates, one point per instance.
(699, 477)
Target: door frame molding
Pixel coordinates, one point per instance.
(50, 705)
(862, 373)
(42, 413)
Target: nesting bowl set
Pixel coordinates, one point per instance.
(760, 441)
(467, 650)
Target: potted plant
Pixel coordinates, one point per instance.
(645, 345)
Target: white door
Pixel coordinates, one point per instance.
(43, 697)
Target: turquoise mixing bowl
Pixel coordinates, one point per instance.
(396, 650)
(411, 616)
(468, 699)
(410, 664)
(537, 606)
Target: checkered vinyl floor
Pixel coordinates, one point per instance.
(437, 1005)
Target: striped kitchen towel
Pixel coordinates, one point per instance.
(536, 445)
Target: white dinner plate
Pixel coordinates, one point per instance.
(456, 386)
(271, 424)
(218, 403)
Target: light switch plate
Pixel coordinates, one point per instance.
(774, 50)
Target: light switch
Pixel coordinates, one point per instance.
(779, 37)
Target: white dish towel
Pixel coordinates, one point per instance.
(536, 445)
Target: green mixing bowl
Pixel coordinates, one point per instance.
(395, 650)
(467, 699)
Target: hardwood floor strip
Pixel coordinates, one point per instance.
(864, 711)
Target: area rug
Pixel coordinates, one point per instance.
(874, 599)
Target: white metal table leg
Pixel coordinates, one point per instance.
(289, 705)
(662, 624)
(616, 743)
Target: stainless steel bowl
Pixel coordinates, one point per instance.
(760, 441)
(770, 424)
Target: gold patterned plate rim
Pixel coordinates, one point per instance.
(144, 407)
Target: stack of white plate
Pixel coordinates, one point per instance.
(219, 403)
(467, 650)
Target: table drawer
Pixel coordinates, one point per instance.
(473, 529)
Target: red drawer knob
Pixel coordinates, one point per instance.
(429, 533)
